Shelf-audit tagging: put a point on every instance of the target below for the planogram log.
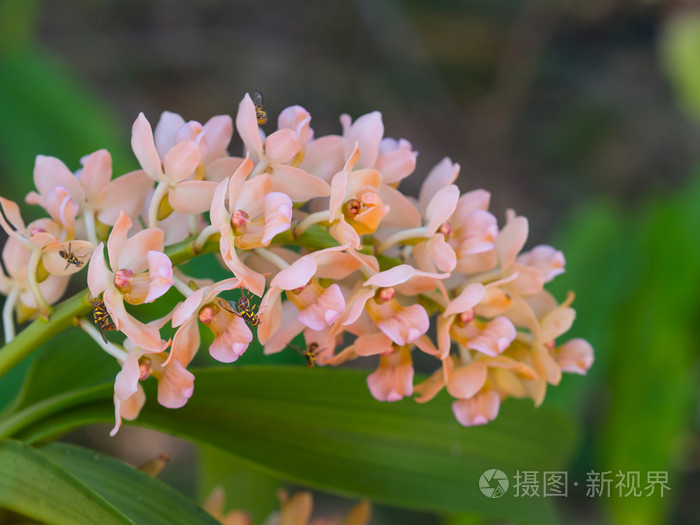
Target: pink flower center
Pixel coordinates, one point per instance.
(123, 280)
(445, 229)
(208, 313)
(385, 294)
(550, 344)
(239, 219)
(466, 317)
(36, 229)
(352, 208)
(144, 368)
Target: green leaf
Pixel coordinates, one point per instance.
(321, 428)
(36, 487)
(138, 496)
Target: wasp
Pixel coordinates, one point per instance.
(70, 257)
(260, 113)
(309, 353)
(243, 309)
(102, 318)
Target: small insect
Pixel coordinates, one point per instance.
(243, 309)
(260, 113)
(102, 318)
(70, 257)
(309, 353)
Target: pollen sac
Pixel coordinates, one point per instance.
(351, 208)
(385, 294)
(239, 219)
(466, 317)
(123, 279)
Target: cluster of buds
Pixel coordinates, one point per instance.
(316, 233)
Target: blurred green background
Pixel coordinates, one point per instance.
(583, 116)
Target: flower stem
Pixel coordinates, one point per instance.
(161, 191)
(7, 321)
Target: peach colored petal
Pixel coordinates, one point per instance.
(217, 135)
(469, 202)
(271, 304)
(175, 386)
(546, 259)
(367, 131)
(181, 161)
(188, 307)
(248, 278)
(218, 214)
(218, 169)
(10, 210)
(429, 388)
(466, 380)
(147, 337)
(406, 325)
(478, 410)
(238, 182)
(402, 212)
(50, 172)
(336, 265)
(575, 356)
(511, 240)
(144, 148)
(117, 240)
(325, 310)
(442, 254)
(339, 186)
(133, 254)
(128, 409)
(298, 119)
(192, 196)
(247, 126)
(99, 277)
(556, 323)
(394, 378)
(443, 174)
(281, 146)
(160, 275)
(289, 328)
(345, 234)
(126, 193)
(495, 337)
(298, 184)
(230, 345)
(96, 173)
(324, 157)
(164, 134)
(296, 275)
(467, 299)
(441, 207)
(278, 215)
(372, 344)
(185, 342)
(396, 275)
(356, 305)
(396, 165)
(443, 335)
(127, 381)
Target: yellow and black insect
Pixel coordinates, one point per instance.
(243, 309)
(260, 113)
(309, 353)
(70, 257)
(102, 318)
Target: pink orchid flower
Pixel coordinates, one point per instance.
(253, 216)
(231, 334)
(140, 273)
(90, 189)
(175, 383)
(273, 155)
(175, 172)
(393, 379)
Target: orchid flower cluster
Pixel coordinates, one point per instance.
(314, 231)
